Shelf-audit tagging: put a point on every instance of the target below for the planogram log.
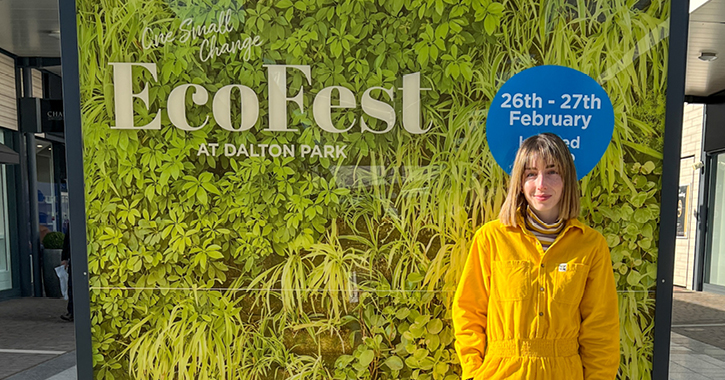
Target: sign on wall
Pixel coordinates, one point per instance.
(289, 189)
(41, 115)
(683, 207)
(553, 99)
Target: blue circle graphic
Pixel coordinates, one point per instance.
(554, 99)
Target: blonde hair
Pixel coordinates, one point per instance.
(552, 149)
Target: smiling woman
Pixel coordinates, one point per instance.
(549, 304)
(542, 189)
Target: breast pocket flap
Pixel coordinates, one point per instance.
(511, 280)
(570, 280)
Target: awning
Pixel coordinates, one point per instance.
(8, 156)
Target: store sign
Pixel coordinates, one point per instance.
(41, 115)
(553, 99)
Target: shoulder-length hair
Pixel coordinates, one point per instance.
(552, 149)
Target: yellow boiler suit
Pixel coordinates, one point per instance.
(522, 313)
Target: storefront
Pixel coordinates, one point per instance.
(713, 254)
(6, 269)
(715, 249)
(31, 158)
(699, 251)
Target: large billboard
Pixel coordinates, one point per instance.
(289, 189)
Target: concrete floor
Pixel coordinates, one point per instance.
(697, 350)
(700, 316)
(62, 367)
(693, 360)
(32, 333)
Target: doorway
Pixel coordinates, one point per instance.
(714, 268)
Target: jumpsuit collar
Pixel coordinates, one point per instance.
(569, 224)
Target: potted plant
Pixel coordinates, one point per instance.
(52, 251)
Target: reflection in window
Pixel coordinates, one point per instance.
(6, 281)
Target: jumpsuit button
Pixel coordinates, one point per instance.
(542, 288)
(541, 314)
(542, 265)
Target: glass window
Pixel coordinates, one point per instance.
(6, 280)
(47, 205)
(715, 273)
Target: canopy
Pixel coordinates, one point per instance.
(8, 156)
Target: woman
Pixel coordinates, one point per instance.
(537, 297)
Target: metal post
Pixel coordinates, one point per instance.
(702, 211)
(21, 179)
(34, 217)
(677, 60)
(74, 161)
(33, 192)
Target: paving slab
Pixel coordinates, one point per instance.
(52, 369)
(69, 374)
(32, 333)
(699, 316)
(693, 360)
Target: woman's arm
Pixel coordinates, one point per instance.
(599, 333)
(470, 308)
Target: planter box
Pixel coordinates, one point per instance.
(51, 283)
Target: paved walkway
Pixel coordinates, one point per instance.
(700, 316)
(69, 374)
(693, 360)
(697, 351)
(32, 334)
(62, 367)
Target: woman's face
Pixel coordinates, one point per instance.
(542, 187)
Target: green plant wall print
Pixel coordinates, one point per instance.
(288, 189)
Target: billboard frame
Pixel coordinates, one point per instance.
(679, 20)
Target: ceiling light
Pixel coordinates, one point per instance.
(694, 4)
(40, 146)
(707, 56)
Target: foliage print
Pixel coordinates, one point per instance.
(209, 266)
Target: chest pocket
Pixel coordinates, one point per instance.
(511, 280)
(569, 283)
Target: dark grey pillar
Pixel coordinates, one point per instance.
(76, 195)
(677, 60)
(33, 193)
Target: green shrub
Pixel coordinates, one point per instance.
(53, 240)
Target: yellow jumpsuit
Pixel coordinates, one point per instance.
(522, 313)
